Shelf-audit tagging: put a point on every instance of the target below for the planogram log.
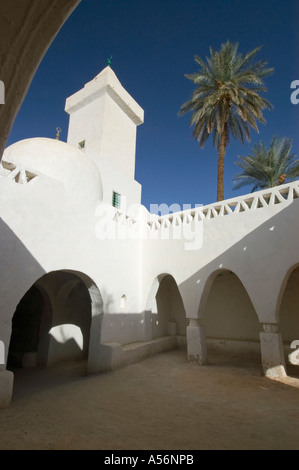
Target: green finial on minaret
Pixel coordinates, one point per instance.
(109, 61)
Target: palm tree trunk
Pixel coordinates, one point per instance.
(221, 154)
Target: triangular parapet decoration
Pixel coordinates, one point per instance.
(248, 203)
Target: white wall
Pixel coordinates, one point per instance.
(259, 245)
(50, 223)
(113, 179)
(105, 116)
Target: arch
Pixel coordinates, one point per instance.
(45, 325)
(25, 329)
(166, 308)
(72, 303)
(26, 33)
(288, 315)
(228, 316)
(153, 291)
(283, 288)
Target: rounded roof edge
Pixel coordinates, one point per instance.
(57, 160)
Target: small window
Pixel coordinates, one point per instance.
(81, 145)
(116, 200)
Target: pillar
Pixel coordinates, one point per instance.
(272, 353)
(196, 342)
(6, 376)
(6, 386)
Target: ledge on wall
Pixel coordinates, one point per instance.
(114, 355)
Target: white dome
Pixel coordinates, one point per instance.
(59, 161)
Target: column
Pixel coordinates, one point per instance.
(196, 341)
(6, 376)
(272, 353)
(6, 386)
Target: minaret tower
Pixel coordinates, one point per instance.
(103, 122)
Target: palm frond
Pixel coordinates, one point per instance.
(232, 83)
(266, 167)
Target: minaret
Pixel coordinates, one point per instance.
(103, 122)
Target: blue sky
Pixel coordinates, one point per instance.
(153, 44)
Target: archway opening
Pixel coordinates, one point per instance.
(231, 323)
(289, 323)
(168, 316)
(70, 329)
(26, 324)
(52, 322)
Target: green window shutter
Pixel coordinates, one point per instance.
(116, 200)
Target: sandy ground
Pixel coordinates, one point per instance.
(162, 402)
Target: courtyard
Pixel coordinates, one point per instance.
(161, 403)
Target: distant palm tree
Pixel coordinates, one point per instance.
(268, 167)
(227, 100)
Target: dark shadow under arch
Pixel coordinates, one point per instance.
(25, 328)
(230, 320)
(289, 319)
(168, 315)
(58, 318)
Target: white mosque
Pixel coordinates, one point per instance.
(87, 272)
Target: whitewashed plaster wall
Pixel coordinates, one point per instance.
(254, 244)
(50, 225)
(115, 181)
(105, 117)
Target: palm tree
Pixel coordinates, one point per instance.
(268, 167)
(227, 99)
